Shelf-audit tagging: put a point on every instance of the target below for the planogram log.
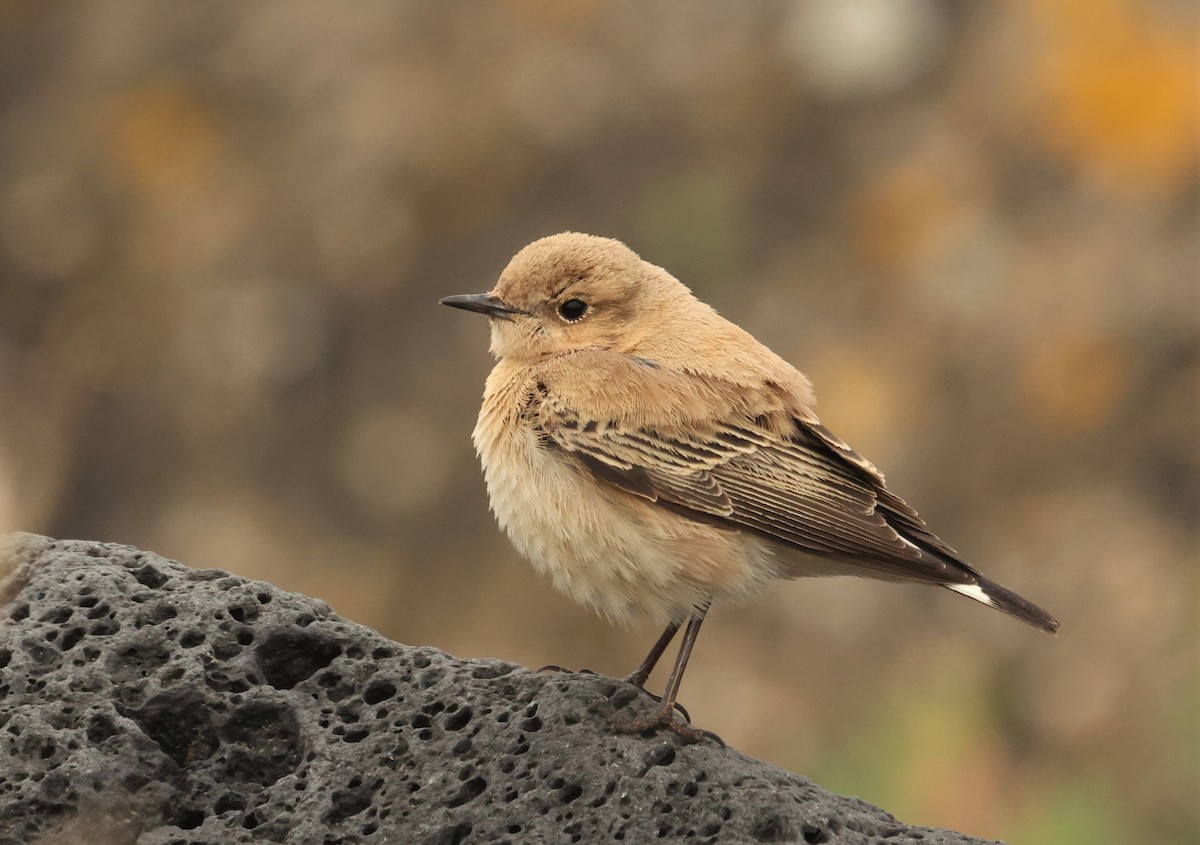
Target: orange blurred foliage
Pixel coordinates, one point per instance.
(1117, 94)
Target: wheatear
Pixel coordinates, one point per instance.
(651, 456)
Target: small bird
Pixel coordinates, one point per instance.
(652, 457)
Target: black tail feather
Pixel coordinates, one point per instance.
(1002, 598)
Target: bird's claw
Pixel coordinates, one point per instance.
(661, 719)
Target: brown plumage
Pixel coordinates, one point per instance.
(651, 456)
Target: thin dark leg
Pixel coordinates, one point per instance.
(663, 715)
(681, 660)
(641, 673)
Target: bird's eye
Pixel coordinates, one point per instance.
(572, 310)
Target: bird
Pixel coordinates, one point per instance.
(652, 457)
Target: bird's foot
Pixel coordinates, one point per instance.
(659, 719)
(639, 681)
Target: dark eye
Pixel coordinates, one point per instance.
(572, 310)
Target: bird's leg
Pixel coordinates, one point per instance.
(663, 715)
(639, 675)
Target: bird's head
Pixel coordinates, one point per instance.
(570, 292)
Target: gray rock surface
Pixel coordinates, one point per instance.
(145, 702)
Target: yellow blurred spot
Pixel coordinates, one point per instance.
(1074, 380)
(1118, 94)
(165, 138)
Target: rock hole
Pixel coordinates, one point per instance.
(378, 690)
(532, 724)
(189, 819)
(663, 755)
(229, 801)
(191, 639)
(72, 638)
(468, 792)
(814, 835)
(459, 720)
(350, 801)
(148, 576)
(57, 616)
(180, 724)
(289, 657)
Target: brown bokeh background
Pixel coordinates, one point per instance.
(224, 228)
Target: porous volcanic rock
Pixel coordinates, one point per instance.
(145, 702)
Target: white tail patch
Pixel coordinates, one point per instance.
(973, 591)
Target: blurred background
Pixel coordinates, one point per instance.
(224, 229)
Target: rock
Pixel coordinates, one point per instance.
(143, 701)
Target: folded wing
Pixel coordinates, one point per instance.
(806, 490)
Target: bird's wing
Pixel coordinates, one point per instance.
(802, 487)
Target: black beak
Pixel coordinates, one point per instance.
(481, 303)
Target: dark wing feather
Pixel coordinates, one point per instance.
(808, 490)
